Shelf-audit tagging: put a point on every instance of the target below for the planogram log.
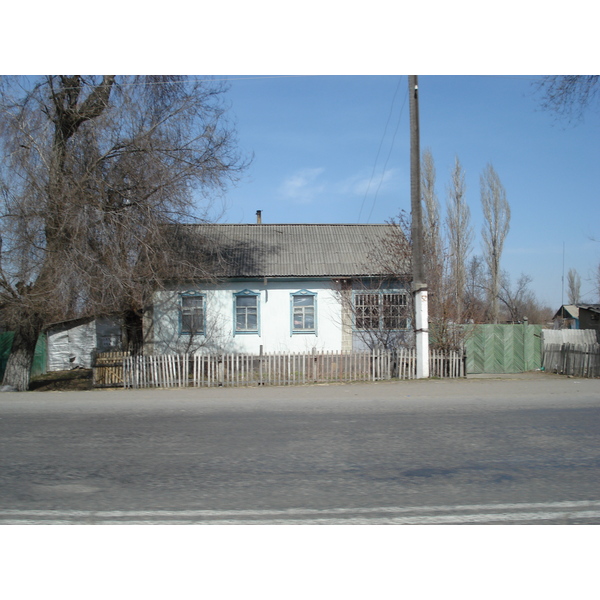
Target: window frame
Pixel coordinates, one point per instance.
(378, 311)
(182, 310)
(246, 294)
(304, 330)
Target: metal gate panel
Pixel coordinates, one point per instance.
(503, 348)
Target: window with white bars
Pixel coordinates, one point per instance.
(367, 311)
(394, 311)
(380, 310)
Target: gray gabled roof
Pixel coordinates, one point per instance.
(267, 250)
(567, 311)
(571, 311)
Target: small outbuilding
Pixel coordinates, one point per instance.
(566, 317)
(73, 343)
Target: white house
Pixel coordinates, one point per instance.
(283, 288)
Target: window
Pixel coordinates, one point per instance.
(192, 313)
(367, 311)
(303, 312)
(394, 311)
(246, 312)
(377, 310)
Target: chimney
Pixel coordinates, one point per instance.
(258, 217)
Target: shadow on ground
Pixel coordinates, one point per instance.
(61, 381)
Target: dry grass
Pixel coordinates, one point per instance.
(60, 381)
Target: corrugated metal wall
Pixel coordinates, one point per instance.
(569, 336)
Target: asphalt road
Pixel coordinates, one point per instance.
(509, 451)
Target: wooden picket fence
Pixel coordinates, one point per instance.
(578, 360)
(234, 370)
(446, 364)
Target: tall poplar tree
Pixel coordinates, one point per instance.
(460, 237)
(496, 215)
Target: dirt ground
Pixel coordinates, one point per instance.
(62, 381)
(81, 379)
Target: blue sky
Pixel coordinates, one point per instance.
(335, 149)
(332, 145)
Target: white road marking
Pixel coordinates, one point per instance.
(421, 520)
(387, 515)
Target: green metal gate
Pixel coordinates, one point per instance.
(503, 348)
(39, 358)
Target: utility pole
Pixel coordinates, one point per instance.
(419, 285)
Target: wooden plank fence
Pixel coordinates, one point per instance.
(233, 370)
(107, 369)
(578, 360)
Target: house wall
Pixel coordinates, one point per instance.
(589, 319)
(275, 319)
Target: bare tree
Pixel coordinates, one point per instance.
(573, 286)
(395, 253)
(95, 169)
(520, 303)
(434, 254)
(569, 95)
(381, 312)
(496, 214)
(433, 250)
(460, 237)
(377, 310)
(515, 297)
(442, 304)
(476, 291)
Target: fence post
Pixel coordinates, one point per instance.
(260, 367)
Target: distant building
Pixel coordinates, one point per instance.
(566, 317)
(578, 316)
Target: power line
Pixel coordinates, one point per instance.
(388, 157)
(379, 149)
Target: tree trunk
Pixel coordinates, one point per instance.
(18, 368)
(133, 338)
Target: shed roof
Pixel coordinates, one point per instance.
(567, 311)
(591, 307)
(571, 311)
(296, 250)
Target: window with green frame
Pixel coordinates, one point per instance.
(246, 312)
(192, 313)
